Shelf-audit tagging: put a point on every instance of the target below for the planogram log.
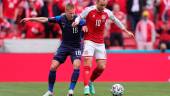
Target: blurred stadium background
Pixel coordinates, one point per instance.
(141, 65)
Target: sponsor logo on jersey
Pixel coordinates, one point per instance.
(103, 18)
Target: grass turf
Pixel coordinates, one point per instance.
(102, 89)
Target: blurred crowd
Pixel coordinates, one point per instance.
(149, 20)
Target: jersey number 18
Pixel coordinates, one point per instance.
(78, 52)
(75, 30)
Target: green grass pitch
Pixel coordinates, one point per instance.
(102, 89)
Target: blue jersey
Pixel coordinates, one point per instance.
(71, 39)
(70, 35)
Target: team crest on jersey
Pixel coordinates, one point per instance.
(103, 17)
(63, 24)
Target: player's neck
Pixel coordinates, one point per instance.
(98, 9)
(69, 19)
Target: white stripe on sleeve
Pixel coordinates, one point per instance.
(84, 13)
(116, 21)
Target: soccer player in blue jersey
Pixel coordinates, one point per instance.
(71, 45)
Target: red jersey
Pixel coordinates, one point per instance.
(95, 21)
(164, 5)
(122, 17)
(34, 30)
(9, 7)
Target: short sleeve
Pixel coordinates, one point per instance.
(82, 22)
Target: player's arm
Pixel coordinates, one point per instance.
(37, 19)
(56, 19)
(83, 24)
(43, 19)
(119, 24)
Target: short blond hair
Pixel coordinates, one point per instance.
(69, 6)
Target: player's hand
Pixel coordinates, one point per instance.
(130, 34)
(24, 20)
(85, 29)
(74, 24)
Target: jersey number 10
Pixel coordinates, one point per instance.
(98, 23)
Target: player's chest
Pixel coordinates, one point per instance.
(65, 24)
(99, 17)
(68, 29)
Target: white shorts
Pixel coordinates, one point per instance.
(94, 49)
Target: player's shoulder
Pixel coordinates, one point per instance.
(62, 15)
(90, 8)
(93, 7)
(108, 11)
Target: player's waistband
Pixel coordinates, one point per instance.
(90, 41)
(71, 43)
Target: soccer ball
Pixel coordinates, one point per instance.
(117, 90)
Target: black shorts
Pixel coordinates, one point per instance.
(65, 50)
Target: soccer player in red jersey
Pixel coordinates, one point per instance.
(96, 17)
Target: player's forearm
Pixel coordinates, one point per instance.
(39, 19)
(119, 24)
(125, 30)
